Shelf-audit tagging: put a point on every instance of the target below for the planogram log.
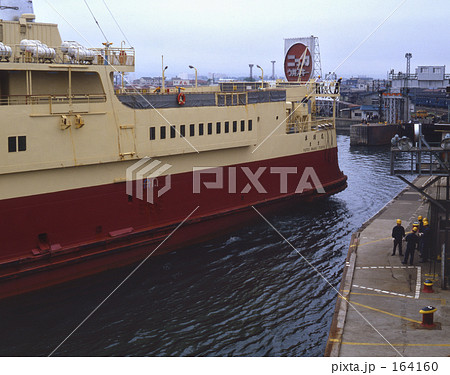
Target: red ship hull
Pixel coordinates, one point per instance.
(53, 238)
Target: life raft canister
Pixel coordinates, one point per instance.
(181, 98)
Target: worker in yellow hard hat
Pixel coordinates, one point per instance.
(412, 241)
(398, 233)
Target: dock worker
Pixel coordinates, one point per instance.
(425, 242)
(412, 240)
(398, 234)
(419, 219)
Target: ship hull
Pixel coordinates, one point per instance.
(58, 237)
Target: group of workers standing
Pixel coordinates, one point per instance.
(420, 239)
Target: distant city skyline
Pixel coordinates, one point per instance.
(356, 38)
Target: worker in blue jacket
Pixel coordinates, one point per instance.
(412, 241)
(398, 234)
(420, 220)
(425, 242)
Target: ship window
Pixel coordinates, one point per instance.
(250, 125)
(17, 144)
(209, 128)
(22, 141)
(12, 144)
(173, 131)
(234, 126)
(192, 130)
(183, 131)
(200, 129)
(218, 128)
(163, 132)
(242, 126)
(227, 127)
(152, 133)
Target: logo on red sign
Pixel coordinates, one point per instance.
(298, 58)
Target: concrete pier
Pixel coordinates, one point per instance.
(346, 123)
(378, 308)
(372, 134)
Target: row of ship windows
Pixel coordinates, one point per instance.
(200, 129)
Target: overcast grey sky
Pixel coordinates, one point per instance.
(225, 36)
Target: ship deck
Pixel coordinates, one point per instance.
(136, 100)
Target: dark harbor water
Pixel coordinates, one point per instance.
(245, 294)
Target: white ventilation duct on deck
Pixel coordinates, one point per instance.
(38, 49)
(77, 51)
(5, 52)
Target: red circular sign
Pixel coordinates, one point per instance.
(297, 59)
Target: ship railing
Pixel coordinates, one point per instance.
(293, 127)
(20, 56)
(231, 99)
(242, 86)
(135, 91)
(403, 76)
(323, 88)
(96, 56)
(114, 56)
(52, 99)
(156, 92)
(316, 88)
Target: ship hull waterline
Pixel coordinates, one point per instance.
(120, 245)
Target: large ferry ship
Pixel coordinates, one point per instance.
(93, 177)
